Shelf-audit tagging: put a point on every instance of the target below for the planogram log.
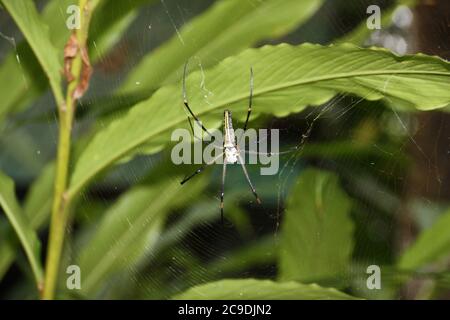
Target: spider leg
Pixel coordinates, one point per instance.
(258, 200)
(290, 150)
(222, 188)
(200, 169)
(249, 110)
(270, 153)
(186, 104)
(197, 137)
(250, 103)
(192, 129)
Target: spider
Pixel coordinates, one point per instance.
(230, 146)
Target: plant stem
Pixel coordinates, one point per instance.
(61, 201)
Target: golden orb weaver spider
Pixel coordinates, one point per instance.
(230, 147)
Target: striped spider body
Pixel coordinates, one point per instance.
(231, 150)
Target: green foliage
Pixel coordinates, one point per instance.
(139, 234)
(36, 210)
(35, 31)
(22, 81)
(251, 289)
(282, 81)
(18, 221)
(263, 252)
(7, 247)
(317, 230)
(129, 229)
(225, 29)
(37, 203)
(432, 245)
(362, 33)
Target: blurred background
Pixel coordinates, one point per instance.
(394, 165)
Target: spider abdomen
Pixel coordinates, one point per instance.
(231, 154)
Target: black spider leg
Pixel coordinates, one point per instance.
(186, 104)
(222, 188)
(289, 150)
(241, 162)
(199, 170)
(249, 111)
(250, 104)
(250, 101)
(192, 129)
(199, 138)
(270, 153)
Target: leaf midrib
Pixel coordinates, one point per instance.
(75, 188)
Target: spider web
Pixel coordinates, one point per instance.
(193, 248)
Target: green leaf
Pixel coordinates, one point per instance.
(116, 240)
(37, 206)
(25, 233)
(317, 231)
(287, 79)
(36, 33)
(109, 22)
(38, 201)
(259, 253)
(22, 81)
(129, 229)
(252, 289)
(360, 34)
(223, 30)
(204, 211)
(7, 247)
(20, 72)
(432, 245)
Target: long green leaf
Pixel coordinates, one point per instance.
(251, 289)
(25, 233)
(37, 203)
(115, 241)
(432, 244)
(35, 31)
(223, 30)
(317, 231)
(123, 235)
(22, 81)
(287, 79)
(7, 247)
(109, 22)
(36, 208)
(259, 253)
(20, 72)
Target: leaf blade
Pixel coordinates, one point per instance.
(125, 232)
(252, 289)
(35, 31)
(20, 74)
(225, 29)
(282, 78)
(431, 245)
(25, 233)
(317, 231)
(36, 208)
